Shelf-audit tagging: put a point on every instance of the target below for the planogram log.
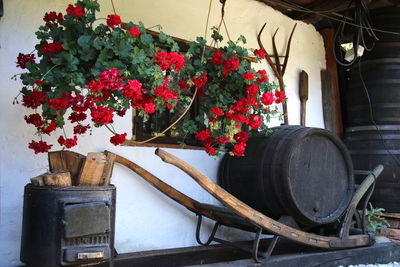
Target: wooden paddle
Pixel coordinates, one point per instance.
(303, 93)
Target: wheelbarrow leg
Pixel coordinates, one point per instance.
(365, 185)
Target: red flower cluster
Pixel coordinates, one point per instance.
(217, 58)
(51, 48)
(77, 116)
(113, 20)
(118, 139)
(101, 115)
(34, 119)
(263, 76)
(217, 111)
(134, 31)
(167, 60)
(69, 142)
(76, 11)
(39, 147)
(260, 53)
(22, 59)
(199, 82)
(170, 98)
(58, 103)
(53, 17)
(34, 100)
(280, 96)
(248, 76)
(231, 64)
(268, 98)
(81, 129)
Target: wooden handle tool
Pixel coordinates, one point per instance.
(303, 93)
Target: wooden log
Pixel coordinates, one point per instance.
(61, 178)
(108, 168)
(37, 181)
(65, 160)
(392, 233)
(92, 169)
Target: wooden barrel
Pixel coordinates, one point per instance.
(377, 141)
(298, 171)
(373, 145)
(382, 80)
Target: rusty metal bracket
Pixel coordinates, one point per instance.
(255, 248)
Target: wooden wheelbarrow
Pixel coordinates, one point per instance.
(237, 214)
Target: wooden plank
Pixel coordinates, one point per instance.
(379, 253)
(285, 254)
(65, 160)
(326, 88)
(188, 256)
(92, 169)
(108, 168)
(331, 67)
(259, 218)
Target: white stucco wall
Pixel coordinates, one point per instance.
(145, 218)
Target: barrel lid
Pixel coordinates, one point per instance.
(320, 176)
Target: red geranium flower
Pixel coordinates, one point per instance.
(113, 20)
(222, 139)
(51, 48)
(118, 139)
(134, 31)
(101, 115)
(34, 119)
(263, 78)
(267, 98)
(255, 121)
(280, 96)
(217, 58)
(34, 100)
(217, 111)
(238, 149)
(260, 53)
(39, 147)
(199, 82)
(241, 137)
(248, 76)
(211, 150)
(80, 129)
(50, 127)
(76, 11)
(22, 59)
(203, 135)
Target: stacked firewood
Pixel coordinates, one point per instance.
(393, 230)
(68, 168)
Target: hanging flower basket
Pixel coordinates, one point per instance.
(83, 73)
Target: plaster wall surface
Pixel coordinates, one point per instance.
(145, 218)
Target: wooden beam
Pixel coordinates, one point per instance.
(331, 67)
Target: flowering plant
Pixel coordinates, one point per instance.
(99, 72)
(238, 98)
(85, 70)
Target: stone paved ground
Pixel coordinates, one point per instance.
(390, 264)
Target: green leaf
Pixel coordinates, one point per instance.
(84, 41)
